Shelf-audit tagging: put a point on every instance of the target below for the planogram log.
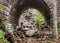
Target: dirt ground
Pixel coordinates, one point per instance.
(37, 37)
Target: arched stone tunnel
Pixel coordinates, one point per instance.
(46, 7)
(42, 7)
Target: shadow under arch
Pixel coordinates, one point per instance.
(25, 4)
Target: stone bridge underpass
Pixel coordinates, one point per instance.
(13, 9)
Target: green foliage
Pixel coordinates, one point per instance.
(59, 30)
(2, 38)
(39, 18)
(48, 41)
(1, 34)
(1, 8)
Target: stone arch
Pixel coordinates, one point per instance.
(19, 5)
(37, 4)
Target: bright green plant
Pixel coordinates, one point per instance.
(2, 38)
(38, 18)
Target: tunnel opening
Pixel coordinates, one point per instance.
(21, 6)
(36, 4)
(31, 18)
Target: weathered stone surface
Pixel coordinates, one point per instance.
(31, 32)
(58, 6)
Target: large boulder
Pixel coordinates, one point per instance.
(31, 32)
